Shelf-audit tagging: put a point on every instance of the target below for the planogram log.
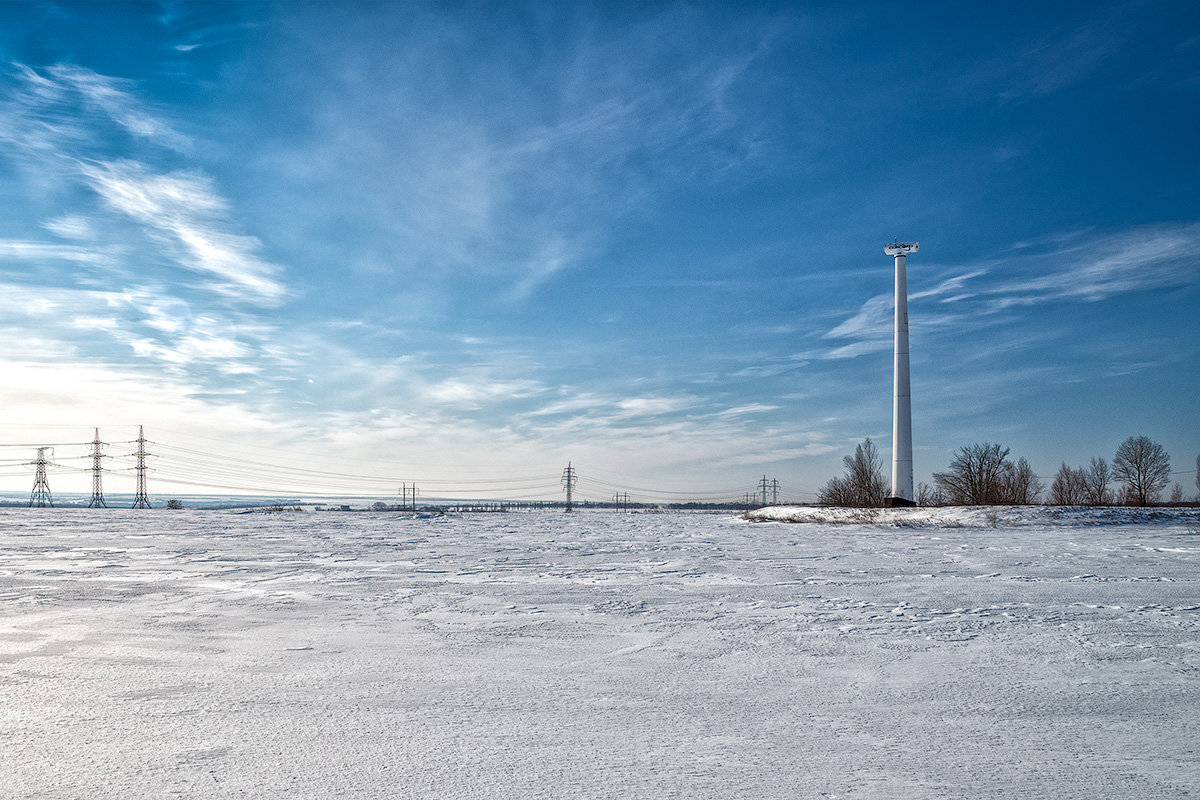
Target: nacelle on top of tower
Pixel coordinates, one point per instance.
(900, 248)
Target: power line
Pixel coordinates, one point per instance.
(186, 466)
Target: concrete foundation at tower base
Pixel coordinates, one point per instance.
(898, 502)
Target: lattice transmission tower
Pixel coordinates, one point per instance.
(97, 468)
(769, 485)
(569, 479)
(40, 496)
(140, 498)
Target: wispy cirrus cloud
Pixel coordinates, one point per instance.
(1080, 266)
(113, 259)
(114, 98)
(183, 212)
(63, 111)
(23, 250)
(513, 171)
(157, 330)
(65, 123)
(1091, 266)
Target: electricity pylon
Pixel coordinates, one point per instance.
(97, 468)
(40, 496)
(140, 498)
(569, 478)
(404, 498)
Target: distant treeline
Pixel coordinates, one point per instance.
(983, 474)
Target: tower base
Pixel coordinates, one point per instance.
(898, 502)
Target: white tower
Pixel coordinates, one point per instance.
(902, 461)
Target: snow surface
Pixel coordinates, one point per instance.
(597, 655)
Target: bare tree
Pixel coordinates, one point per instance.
(1098, 478)
(1176, 494)
(863, 486)
(1020, 486)
(976, 475)
(1144, 467)
(1069, 487)
(834, 493)
(930, 495)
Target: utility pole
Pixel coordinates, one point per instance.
(40, 496)
(140, 498)
(569, 478)
(97, 469)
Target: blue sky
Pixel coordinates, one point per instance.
(463, 243)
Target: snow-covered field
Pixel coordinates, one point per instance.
(597, 655)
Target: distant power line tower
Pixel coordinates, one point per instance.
(569, 479)
(40, 496)
(97, 468)
(769, 485)
(404, 488)
(621, 499)
(140, 498)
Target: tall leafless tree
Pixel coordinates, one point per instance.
(863, 486)
(1144, 467)
(1098, 478)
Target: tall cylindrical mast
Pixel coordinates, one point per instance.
(902, 458)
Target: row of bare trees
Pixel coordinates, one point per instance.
(983, 474)
(1141, 465)
(1082, 487)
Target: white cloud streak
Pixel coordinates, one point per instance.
(1076, 267)
(1094, 267)
(183, 212)
(115, 99)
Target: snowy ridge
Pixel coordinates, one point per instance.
(977, 516)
